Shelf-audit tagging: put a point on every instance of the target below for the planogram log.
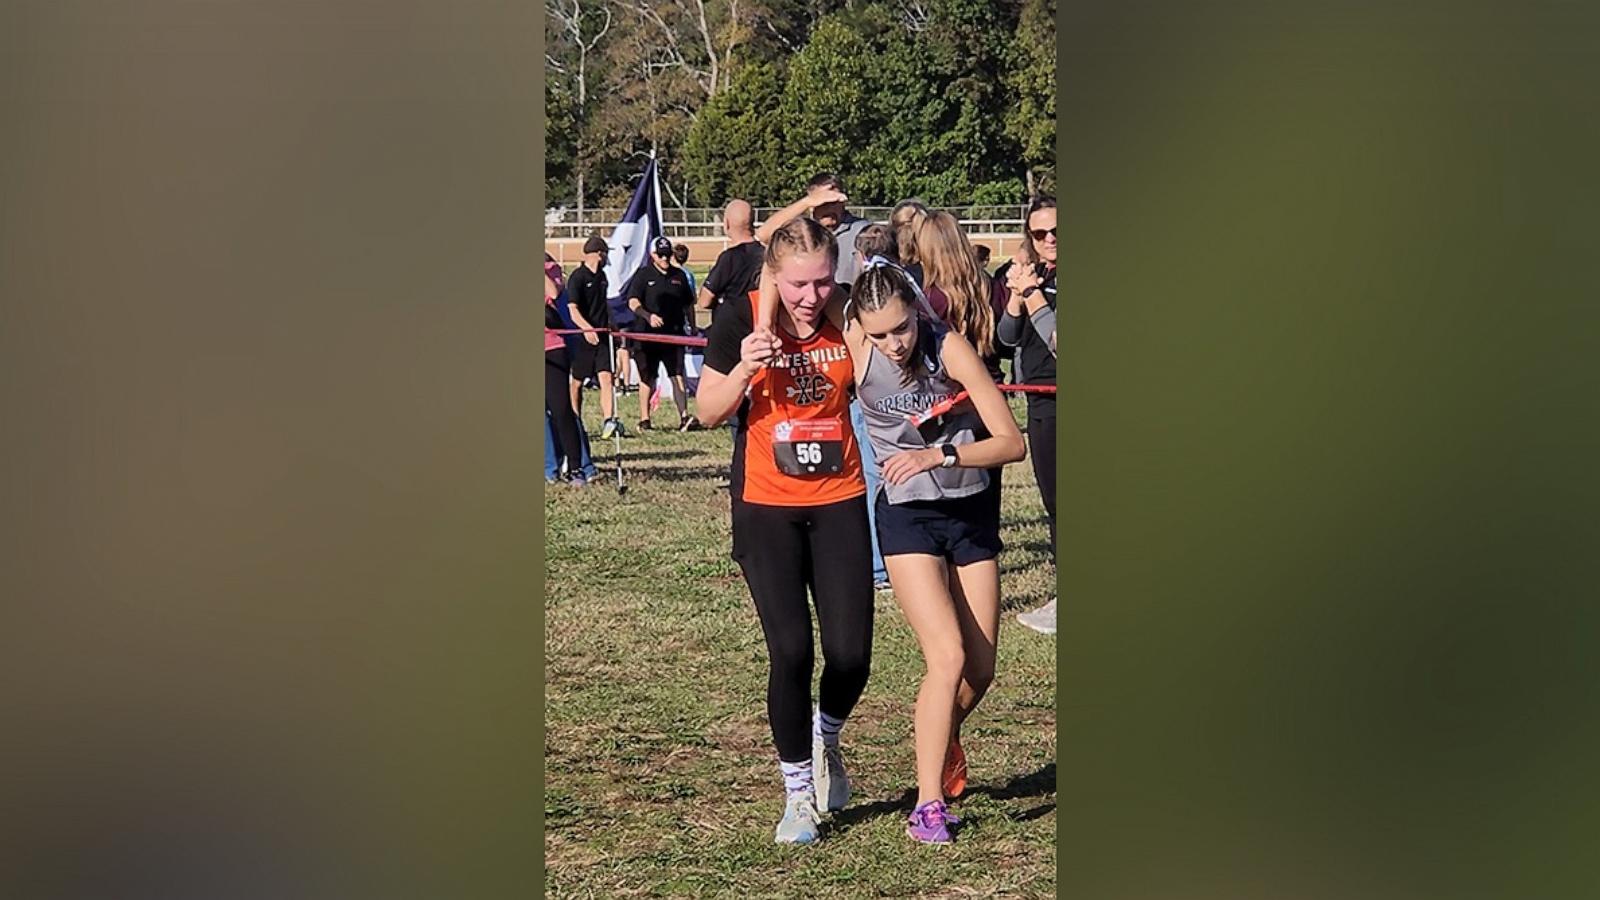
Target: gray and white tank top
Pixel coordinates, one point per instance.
(889, 397)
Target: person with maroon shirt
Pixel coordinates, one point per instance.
(956, 286)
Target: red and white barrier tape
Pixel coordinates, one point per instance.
(685, 341)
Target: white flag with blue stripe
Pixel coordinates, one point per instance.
(629, 244)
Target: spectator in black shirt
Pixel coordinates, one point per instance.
(737, 270)
(659, 296)
(1026, 290)
(592, 356)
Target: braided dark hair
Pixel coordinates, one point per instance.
(873, 289)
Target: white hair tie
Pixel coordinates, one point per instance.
(882, 262)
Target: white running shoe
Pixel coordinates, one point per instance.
(1042, 620)
(801, 823)
(827, 767)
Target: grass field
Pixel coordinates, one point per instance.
(660, 775)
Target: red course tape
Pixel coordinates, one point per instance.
(686, 341)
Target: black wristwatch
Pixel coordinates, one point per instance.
(949, 451)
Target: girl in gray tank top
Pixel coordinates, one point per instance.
(895, 398)
(939, 536)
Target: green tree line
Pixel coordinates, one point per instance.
(952, 101)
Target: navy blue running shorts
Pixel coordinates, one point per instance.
(964, 530)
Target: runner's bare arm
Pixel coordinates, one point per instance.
(795, 210)
(1004, 443)
(767, 301)
(855, 339)
(706, 298)
(720, 393)
(1002, 446)
(834, 310)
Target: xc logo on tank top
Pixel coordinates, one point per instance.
(808, 389)
(809, 446)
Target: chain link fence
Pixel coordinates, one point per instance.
(706, 222)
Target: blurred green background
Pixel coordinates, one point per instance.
(1330, 396)
(269, 604)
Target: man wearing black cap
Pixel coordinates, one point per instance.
(659, 296)
(591, 357)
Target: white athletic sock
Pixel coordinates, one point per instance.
(796, 776)
(826, 727)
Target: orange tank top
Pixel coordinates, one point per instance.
(799, 448)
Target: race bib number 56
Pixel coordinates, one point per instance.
(808, 447)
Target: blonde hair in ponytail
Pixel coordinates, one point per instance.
(906, 217)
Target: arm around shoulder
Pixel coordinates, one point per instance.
(1005, 443)
(781, 218)
(735, 354)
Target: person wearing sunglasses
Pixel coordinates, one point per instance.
(660, 298)
(1025, 288)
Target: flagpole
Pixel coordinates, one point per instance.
(661, 231)
(655, 187)
(616, 407)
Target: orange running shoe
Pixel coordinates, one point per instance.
(954, 780)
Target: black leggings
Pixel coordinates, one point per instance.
(1042, 447)
(784, 550)
(558, 402)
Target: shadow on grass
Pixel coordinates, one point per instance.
(1038, 812)
(1010, 604)
(850, 816)
(1036, 784)
(631, 455)
(1028, 522)
(1020, 563)
(679, 473)
(1042, 548)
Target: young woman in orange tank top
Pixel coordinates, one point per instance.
(799, 513)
